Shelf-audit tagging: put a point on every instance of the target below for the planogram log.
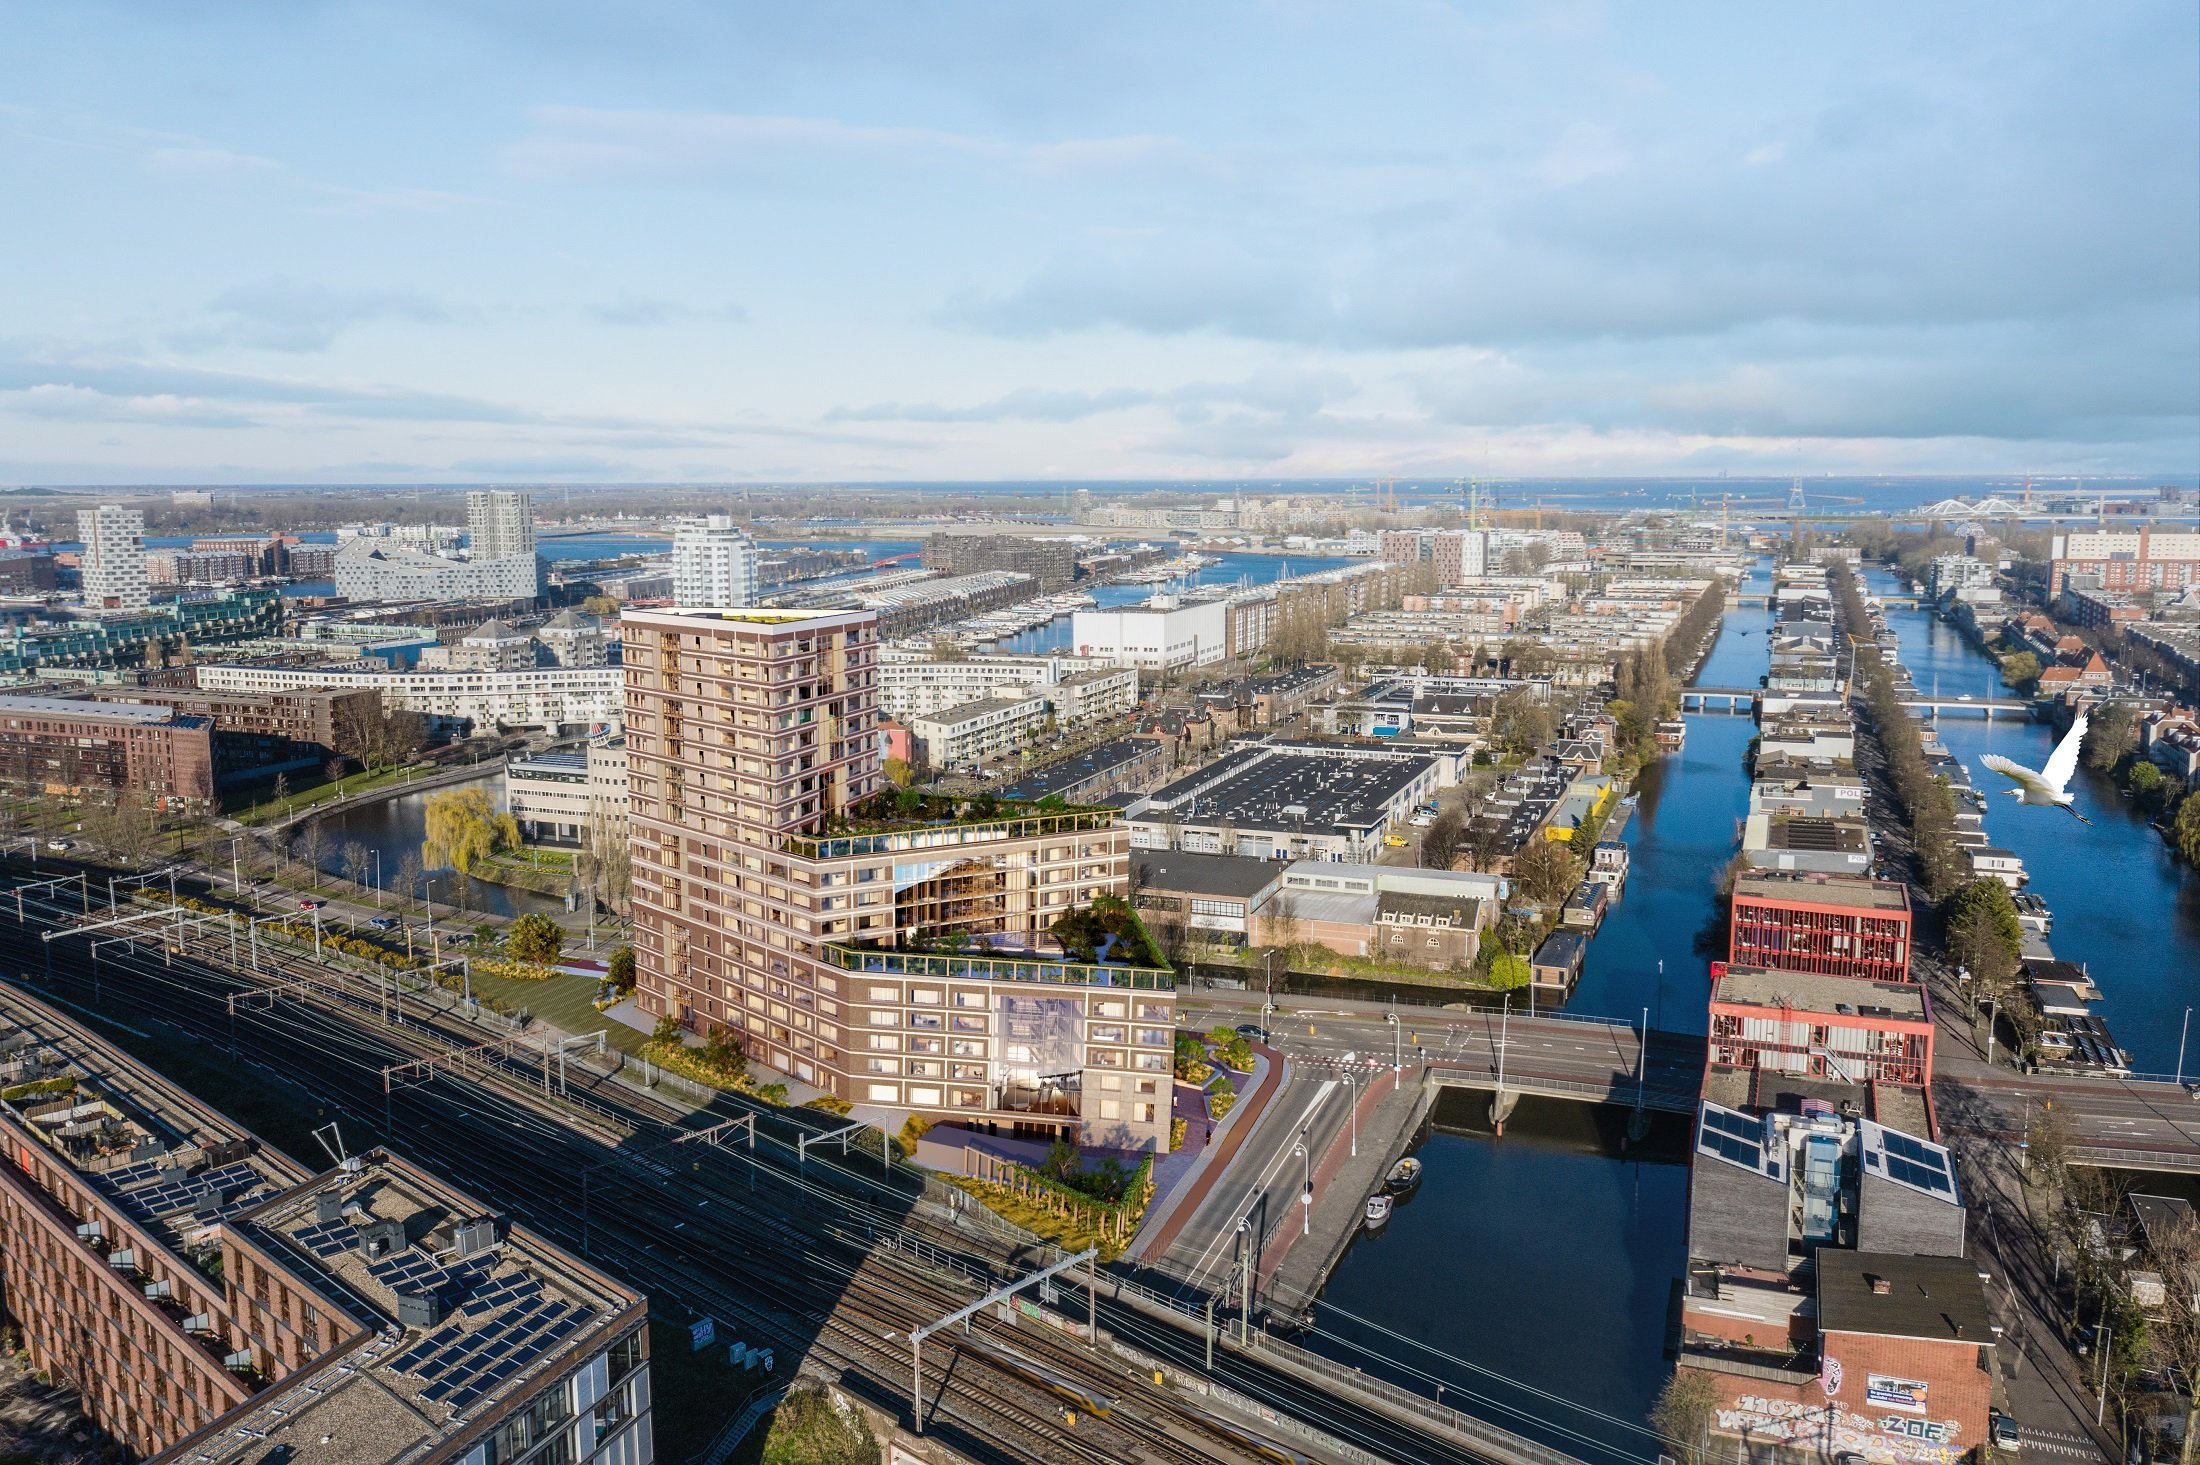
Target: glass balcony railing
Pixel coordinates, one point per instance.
(943, 835)
(997, 968)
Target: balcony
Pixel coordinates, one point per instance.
(894, 838)
(996, 968)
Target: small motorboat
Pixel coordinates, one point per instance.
(1378, 1211)
(1403, 1176)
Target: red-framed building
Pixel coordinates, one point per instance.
(1830, 925)
(1840, 1028)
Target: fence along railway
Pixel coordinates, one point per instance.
(826, 1288)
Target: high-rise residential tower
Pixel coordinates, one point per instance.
(713, 565)
(896, 956)
(113, 561)
(500, 524)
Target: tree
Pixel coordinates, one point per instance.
(1544, 871)
(605, 867)
(1520, 722)
(1515, 561)
(810, 1428)
(899, 773)
(1510, 971)
(1440, 841)
(358, 862)
(2187, 829)
(619, 971)
(2173, 1336)
(2020, 669)
(1484, 844)
(464, 828)
(2109, 736)
(1984, 933)
(1684, 1413)
(603, 607)
(407, 879)
(535, 938)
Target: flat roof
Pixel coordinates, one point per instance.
(1236, 876)
(1936, 1298)
(1089, 764)
(145, 713)
(1331, 792)
(1756, 986)
(513, 1309)
(1843, 890)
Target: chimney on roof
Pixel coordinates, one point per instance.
(1880, 1285)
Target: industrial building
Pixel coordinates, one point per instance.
(1845, 1028)
(777, 899)
(1292, 800)
(212, 1301)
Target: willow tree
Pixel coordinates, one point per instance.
(464, 828)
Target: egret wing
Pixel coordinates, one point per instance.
(2064, 760)
(2032, 782)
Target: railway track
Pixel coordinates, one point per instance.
(776, 1280)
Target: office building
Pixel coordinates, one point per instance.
(112, 564)
(500, 524)
(1844, 1028)
(212, 1301)
(713, 565)
(776, 900)
(1821, 923)
(51, 745)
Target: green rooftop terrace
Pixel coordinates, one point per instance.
(903, 819)
(998, 968)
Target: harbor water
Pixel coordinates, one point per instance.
(394, 828)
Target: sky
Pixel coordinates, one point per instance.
(559, 243)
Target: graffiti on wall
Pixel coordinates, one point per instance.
(1882, 1439)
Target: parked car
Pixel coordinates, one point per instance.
(1253, 1030)
(308, 903)
(383, 923)
(59, 846)
(2005, 1433)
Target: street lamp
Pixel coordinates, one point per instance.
(1397, 1039)
(1352, 1079)
(378, 879)
(2183, 1033)
(1306, 1186)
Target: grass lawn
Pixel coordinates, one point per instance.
(262, 813)
(565, 1000)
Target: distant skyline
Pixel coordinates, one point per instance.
(686, 242)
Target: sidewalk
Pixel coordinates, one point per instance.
(1179, 1188)
(1300, 1258)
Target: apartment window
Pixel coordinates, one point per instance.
(925, 1096)
(928, 996)
(885, 1019)
(885, 1043)
(930, 1020)
(884, 1093)
(1111, 1108)
(1107, 1033)
(1153, 1038)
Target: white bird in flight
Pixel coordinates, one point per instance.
(2050, 785)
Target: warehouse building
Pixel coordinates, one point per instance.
(1291, 801)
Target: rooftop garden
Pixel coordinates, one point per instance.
(908, 808)
(1108, 930)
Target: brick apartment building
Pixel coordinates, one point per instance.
(262, 730)
(54, 746)
(1827, 924)
(2126, 559)
(212, 1301)
(771, 903)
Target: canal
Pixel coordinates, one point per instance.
(394, 828)
(2125, 906)
(1530, 1275)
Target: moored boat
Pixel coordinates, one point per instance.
(1403, 1176)
(1378, 1211)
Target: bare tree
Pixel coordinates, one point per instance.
(2173, 1332)
(358, 861)
(408, 878)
